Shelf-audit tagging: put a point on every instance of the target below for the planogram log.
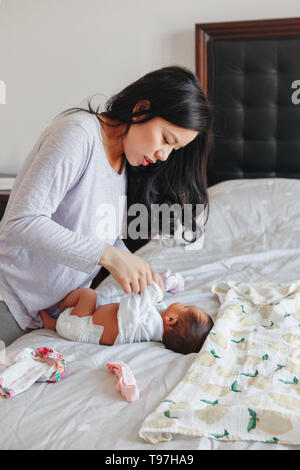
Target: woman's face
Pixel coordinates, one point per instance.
(154, 139)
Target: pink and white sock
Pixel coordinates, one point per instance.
(173, 282)
(126, 384)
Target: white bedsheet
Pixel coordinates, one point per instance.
(253, 234)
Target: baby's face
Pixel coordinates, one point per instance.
(178, 309)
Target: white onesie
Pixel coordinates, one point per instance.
(138, 319)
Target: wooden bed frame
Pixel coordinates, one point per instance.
(246, 69)
(207, 32)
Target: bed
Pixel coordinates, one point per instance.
(252, 234)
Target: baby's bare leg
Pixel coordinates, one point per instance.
(70, 300)
(48, 322)
(86, 303)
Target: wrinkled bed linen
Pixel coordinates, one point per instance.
(243, 384)
(252, 235)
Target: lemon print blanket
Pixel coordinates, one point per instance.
(244, 384)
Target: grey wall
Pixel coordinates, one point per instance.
(54, 54)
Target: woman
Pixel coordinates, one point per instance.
(50, 241)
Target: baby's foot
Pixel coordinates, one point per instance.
(48, 322)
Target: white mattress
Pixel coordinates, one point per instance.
(253, 234)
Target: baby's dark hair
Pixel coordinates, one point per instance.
(188, 334)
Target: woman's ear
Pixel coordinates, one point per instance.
(141, 106)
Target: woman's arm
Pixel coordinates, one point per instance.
(56, 167)
(119, 243)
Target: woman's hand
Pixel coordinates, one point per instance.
(158, 279)
(132, 272)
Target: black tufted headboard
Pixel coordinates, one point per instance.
(250, 71)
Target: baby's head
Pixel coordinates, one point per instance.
(185, 327)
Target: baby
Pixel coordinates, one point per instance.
(182, 328)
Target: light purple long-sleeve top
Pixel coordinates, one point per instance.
(52, 234)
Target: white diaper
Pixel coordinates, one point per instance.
(81, 329)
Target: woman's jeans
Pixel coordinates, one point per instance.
(9, 328)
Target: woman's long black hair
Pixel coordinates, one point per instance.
(175, 95)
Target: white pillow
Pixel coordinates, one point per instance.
(253, 207)
(261, 208)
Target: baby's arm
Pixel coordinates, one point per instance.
(82, 299)
(147, 299)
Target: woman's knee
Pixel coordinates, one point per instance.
(9, 328)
